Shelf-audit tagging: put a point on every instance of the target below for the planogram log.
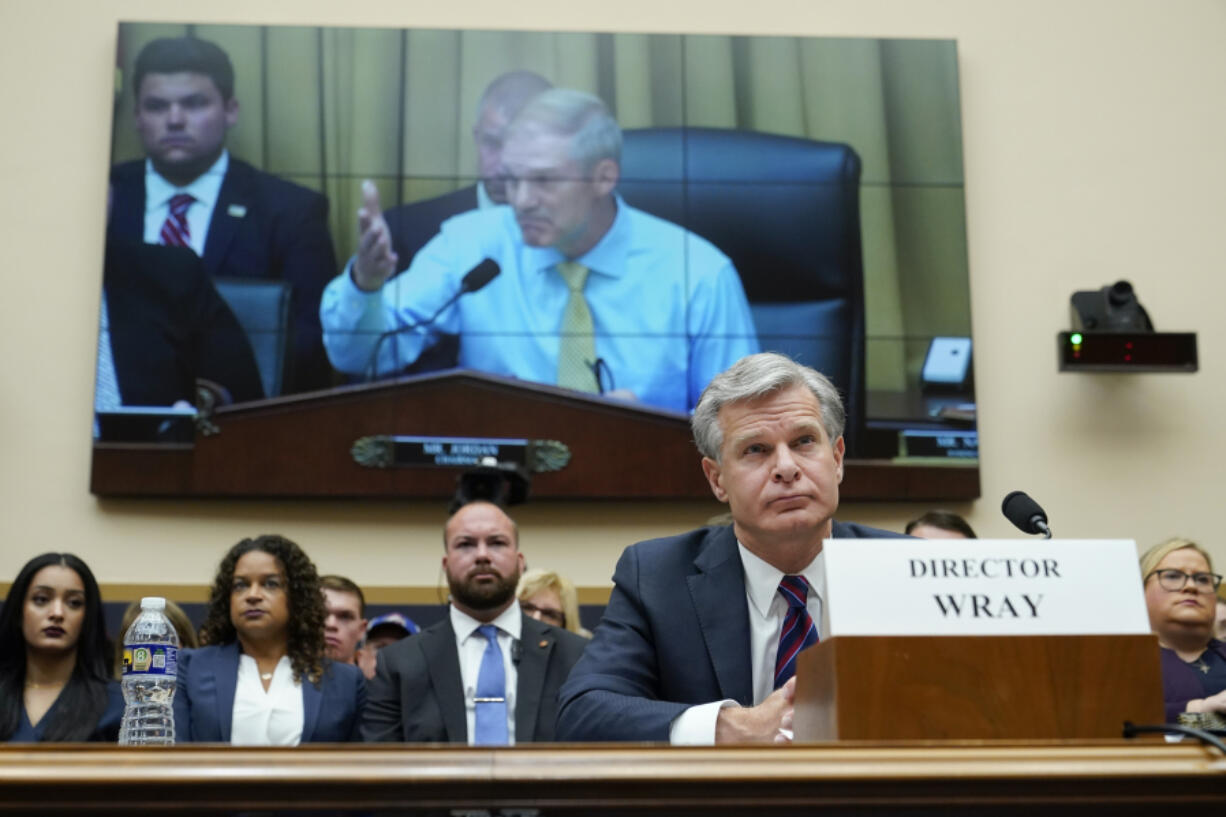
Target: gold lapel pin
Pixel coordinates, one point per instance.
(543, 643)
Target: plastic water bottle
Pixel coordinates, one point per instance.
(150, 664)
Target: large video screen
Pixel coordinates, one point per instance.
(296, 209)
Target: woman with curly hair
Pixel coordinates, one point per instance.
(55, 682)
(262, 678)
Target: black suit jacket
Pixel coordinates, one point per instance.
(262, 227)
(417, 695)
(168, 327)
(675, 634)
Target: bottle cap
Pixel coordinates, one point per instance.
(153, 603)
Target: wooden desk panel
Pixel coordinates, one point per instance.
(967, 777)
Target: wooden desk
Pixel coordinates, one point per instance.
(1089, 778)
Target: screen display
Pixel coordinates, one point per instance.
(297, 209)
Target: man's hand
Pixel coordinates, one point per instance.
(375, 261)
(761, 723)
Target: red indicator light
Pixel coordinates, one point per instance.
(1127, 358)
(1128, 346)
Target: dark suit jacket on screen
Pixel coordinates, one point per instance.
(204, 698)
(675, 634)
(262, 227)
(168, 326)
(417, 695)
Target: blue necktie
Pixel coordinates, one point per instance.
(798, 630)
(490, 720)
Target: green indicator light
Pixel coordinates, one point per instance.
(1076, 339)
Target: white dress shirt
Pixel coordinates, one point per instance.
(696, 725)
(471, 646)
(272, 718)
(205, 189)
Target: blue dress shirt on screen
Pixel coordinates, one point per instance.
(668, 307)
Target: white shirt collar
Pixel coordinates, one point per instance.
(483, 198)
(509, 621)
(205, 188)
(762, 579)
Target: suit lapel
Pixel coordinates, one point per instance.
(536, 646)
(234, 193)
(312, 697)
(443, 662)
(718, 593)
(225, 678)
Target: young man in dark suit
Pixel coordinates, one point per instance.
(485, 675)
(698, 643)
(190, 192)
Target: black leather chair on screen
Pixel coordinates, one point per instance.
(787, 212)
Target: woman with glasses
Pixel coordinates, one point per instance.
(550, 598)
(1180, 593)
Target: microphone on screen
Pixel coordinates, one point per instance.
(475, 279)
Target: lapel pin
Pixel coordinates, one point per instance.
(236, 210)
(543, 643)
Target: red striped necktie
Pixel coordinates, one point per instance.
(175, 232)
(798, 633)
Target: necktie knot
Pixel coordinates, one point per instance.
(574, 274)
(795, 590)
(179, 203)
(489, 631)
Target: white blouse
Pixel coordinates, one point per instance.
(272, 718)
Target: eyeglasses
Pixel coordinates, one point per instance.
(1174, 580)
(556, 617)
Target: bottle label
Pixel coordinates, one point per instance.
(150, 659)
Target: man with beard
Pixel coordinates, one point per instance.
(485, 675)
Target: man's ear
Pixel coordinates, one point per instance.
(605, 176)
(839, 447)
(714, 478)
(231, 108)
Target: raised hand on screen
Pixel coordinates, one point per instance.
(375, 261)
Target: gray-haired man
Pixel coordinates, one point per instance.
(594, 295)
(699, 639)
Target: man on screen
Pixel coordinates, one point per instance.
(189, 192)
(593, 295)
(699, 641)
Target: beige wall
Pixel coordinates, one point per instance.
(1094, 143)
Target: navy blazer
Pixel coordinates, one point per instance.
(204, 698)
(262, 227)
(417, 695)
(674, 634)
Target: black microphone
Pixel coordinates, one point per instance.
(1025, 513)
(473, 280)
(517, 651)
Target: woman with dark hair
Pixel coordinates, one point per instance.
(55, 680)
(263, 679)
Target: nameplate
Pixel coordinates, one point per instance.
(982, 587)
(388, 451)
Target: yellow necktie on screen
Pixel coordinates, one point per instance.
(577, 341)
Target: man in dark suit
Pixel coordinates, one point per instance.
(190, 192)
(699, 641)
(487, 674)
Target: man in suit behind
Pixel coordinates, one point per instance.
(487, 674)
(190, 192)
(699, 641)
